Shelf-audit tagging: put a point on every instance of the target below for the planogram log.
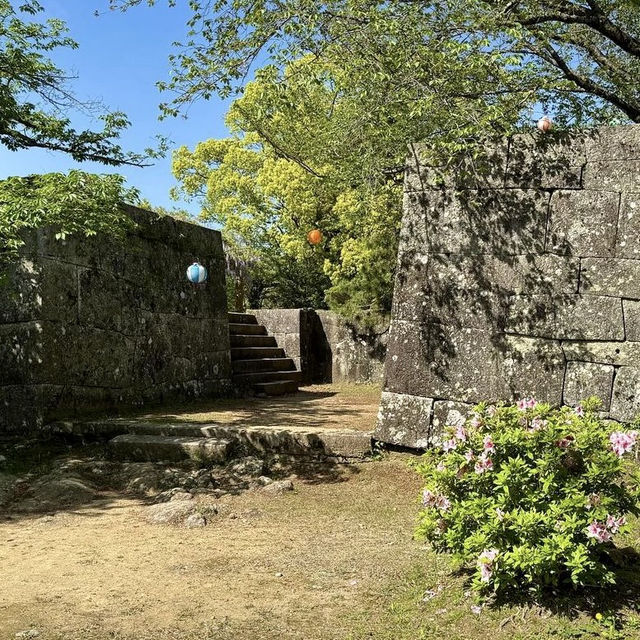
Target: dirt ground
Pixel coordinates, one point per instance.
(322, 406)
(297, 565)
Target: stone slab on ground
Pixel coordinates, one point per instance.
(176, 448)
(145, 440)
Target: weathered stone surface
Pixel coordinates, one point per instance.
(617, 353)
(585, 379)
(504, 275)
(502, 223)
(631, 310)
(404, 420)
(553, 160)
(447, 413)
(527, 287)
(531, 367)
(460, 364)
(485, 170)
(613, 143)
(352, 353)
(613, 175)
(568, 317)
(114, 322)
(583, 223)
(279, 320)
(625, 402)
(610, 277)
(19, 298)
(627, 245)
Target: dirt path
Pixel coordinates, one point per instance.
(298, 565)
(329, 406)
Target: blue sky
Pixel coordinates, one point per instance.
(121, 57)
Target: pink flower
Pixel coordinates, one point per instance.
(441, 466)
(614, 524)
(598, 531)
(489, 447)
(443, 503)
(483, 464)
(527, 403)
(579, 411)
(537, 424)
(461, 433)
(428, 498)
(476, 421)
(622, 441)
(469, 455)
(449, 445)
(485, 563)
(565, 442)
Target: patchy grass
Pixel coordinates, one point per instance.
(334, 559)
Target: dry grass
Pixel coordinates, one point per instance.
(350, 570)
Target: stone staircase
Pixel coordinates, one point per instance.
(258, 364)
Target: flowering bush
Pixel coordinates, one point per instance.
(530, 496)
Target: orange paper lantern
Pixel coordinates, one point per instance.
(314, 236)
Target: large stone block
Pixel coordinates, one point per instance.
(586, 379)
(628, 244)
(100, 299)
(447, 413)
(505, 275)
(621, 142)
(20, 299)
(610, 277)
(443, 362)
(613, 175)
(549, 161)
(22, 352)
(86, 356)
(625, 402)
(532, 367)
(568, 317)
(418, 208)
(583, 223)
(486, 169)
(411, 289)
(615, 353)
(497, 222)
(404, 420)
(632, 319)
(279, 320)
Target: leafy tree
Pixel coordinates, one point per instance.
(34, 105)
(290, 166)
(346, 84)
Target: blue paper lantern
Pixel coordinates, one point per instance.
(196, 273)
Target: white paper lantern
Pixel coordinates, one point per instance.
(545, 124)
(196, 273)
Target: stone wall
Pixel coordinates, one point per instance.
(325, 347)
(92, 324)
(518, 275)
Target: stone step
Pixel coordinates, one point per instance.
(253, 341)
(276, 388)
(242, 318)
(247, 329)
(170, 448)
(254, 353)
(266, 376)
(262, 364)
(144, 440)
